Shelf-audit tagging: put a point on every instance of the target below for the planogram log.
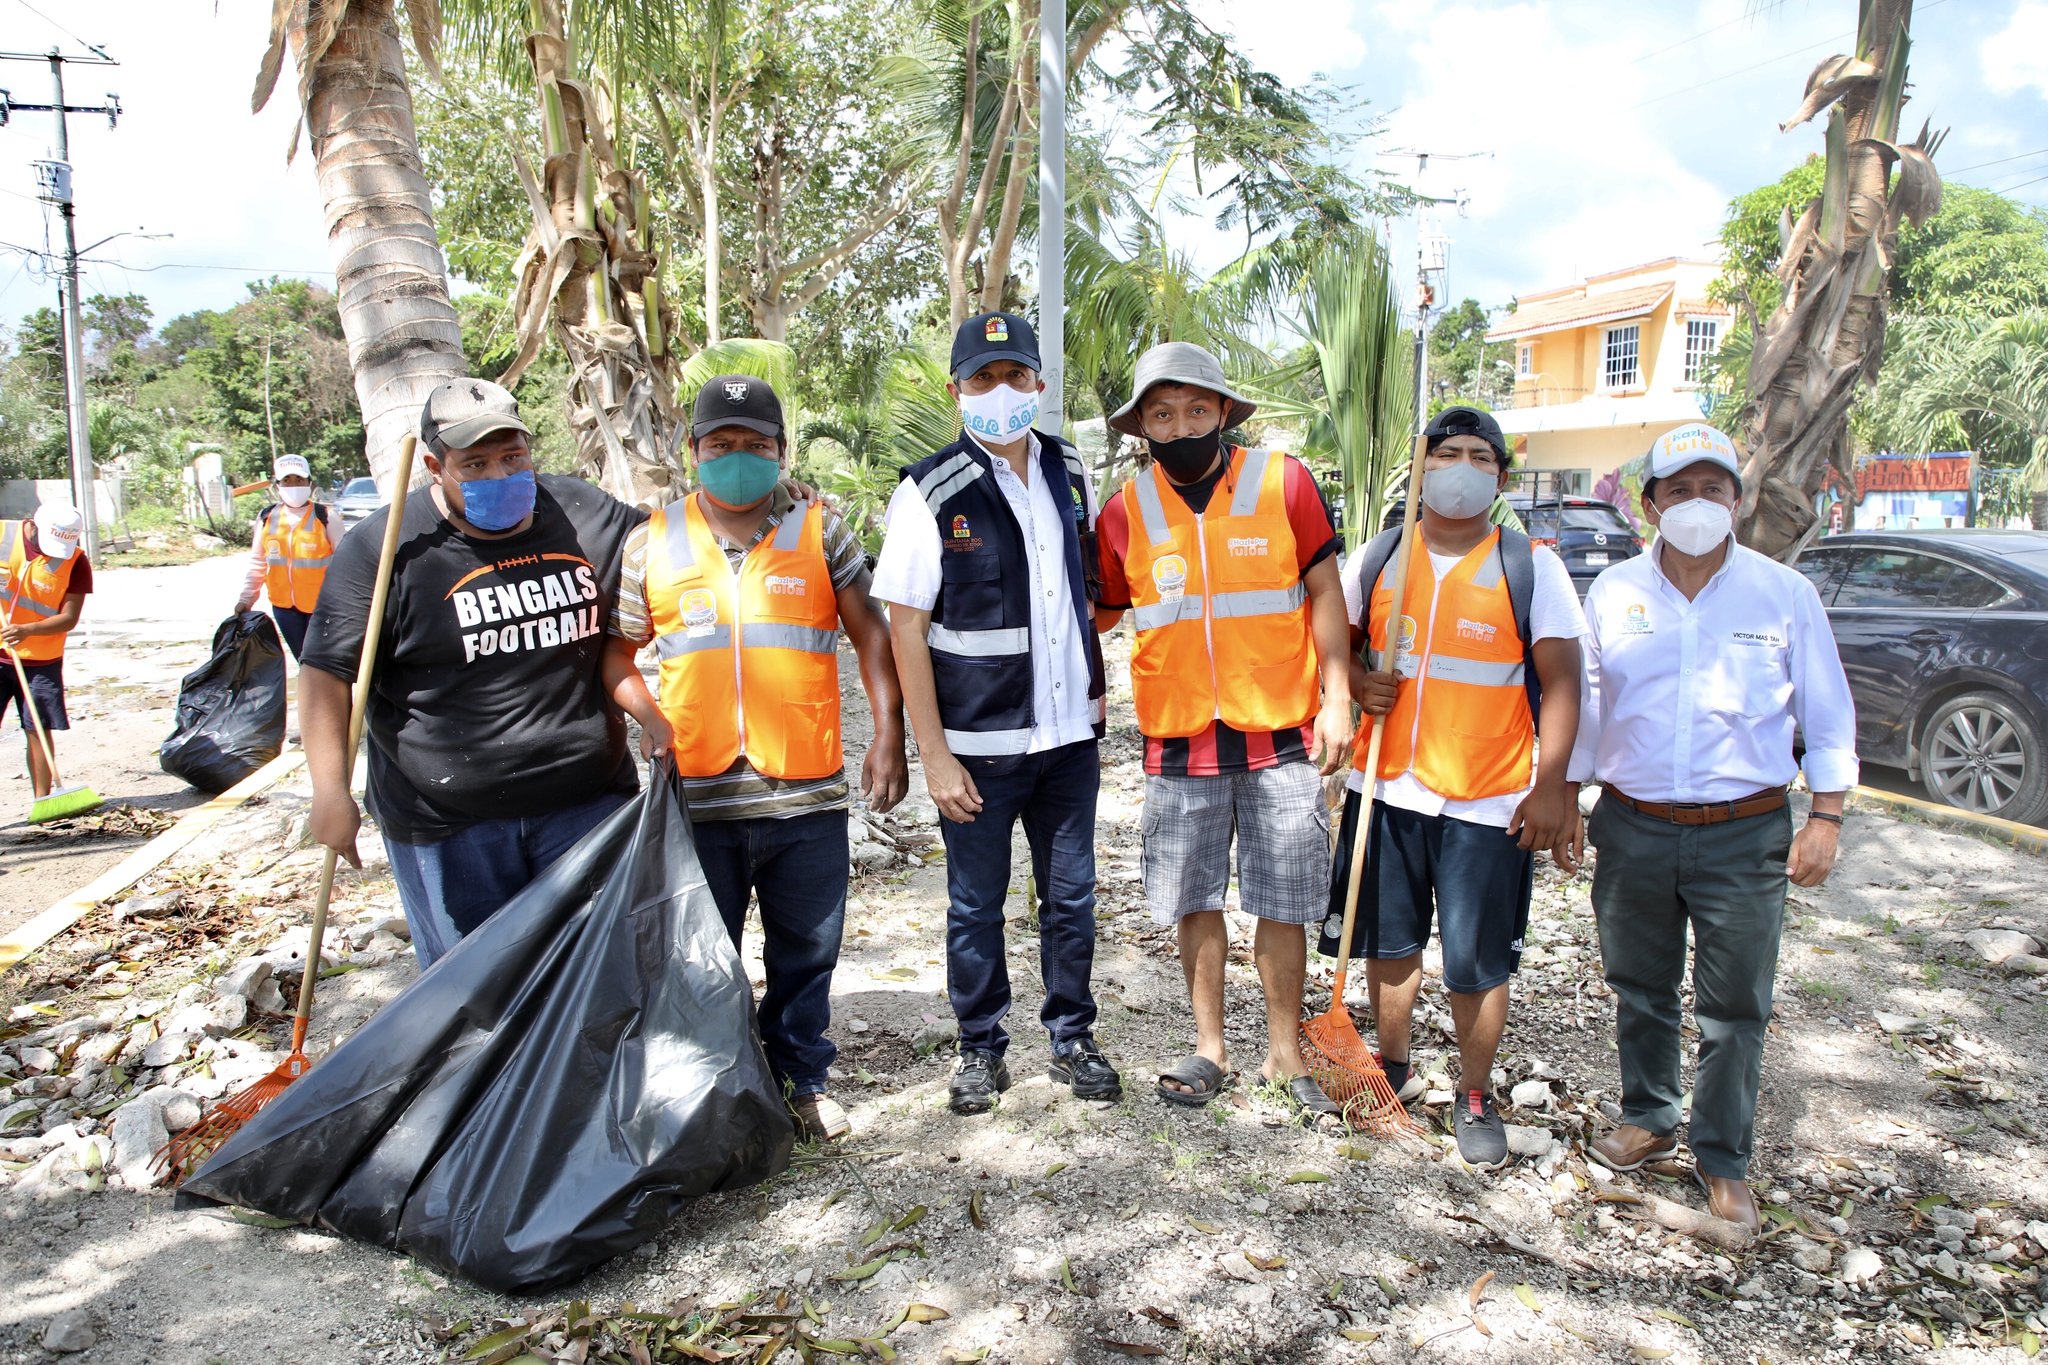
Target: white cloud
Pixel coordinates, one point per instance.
(1296, 40)
(2016, 59)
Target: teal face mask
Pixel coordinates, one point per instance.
(739, 478)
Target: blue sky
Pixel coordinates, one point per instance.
(1617, 132)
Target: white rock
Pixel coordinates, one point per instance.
(251, 979)
(1906, 1024)
(70, 1332)
(1811, 1257)
(1860, 1264)
(2037, 1232)
(869, 857)
(226, 1015)
(2026, 964)
(180, 1111)
(1945, 1265)
(38, 1059)
(1532, 1095)
(1529, 1142)
(138, 1133)
(167, 1050)
(101, 1048)
(935, 1034)
(1996, 945)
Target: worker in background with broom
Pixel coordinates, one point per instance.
(1459, 805)
(48, 578)
(1226, 561)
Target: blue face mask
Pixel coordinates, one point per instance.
(739, 478)
(498, 504)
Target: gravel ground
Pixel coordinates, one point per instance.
(1898, 1151)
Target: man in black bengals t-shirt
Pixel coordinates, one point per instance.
(493, 747)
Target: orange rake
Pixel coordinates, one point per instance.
(1340, 1060)
(189, 1150)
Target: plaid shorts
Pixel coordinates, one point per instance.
(1282, 826)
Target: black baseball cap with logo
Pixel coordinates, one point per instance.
(987, 337)
(737, 400)
(1463, 421)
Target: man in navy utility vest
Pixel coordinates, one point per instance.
(986, 566)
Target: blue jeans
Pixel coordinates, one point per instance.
(1053, 792)
(797, 866)
(450, 887)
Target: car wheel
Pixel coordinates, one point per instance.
(1982, 753)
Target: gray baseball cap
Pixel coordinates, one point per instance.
(462, 412)
(1179, 362)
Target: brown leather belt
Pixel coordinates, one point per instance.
(1708, 813)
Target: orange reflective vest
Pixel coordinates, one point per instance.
(297, 555)
(1462, 722)
(749, 661)
(1218, 604)
(35, 591)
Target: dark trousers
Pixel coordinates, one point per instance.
(291, 624)
(797, 867)
(1652, 880)
(1053, 793)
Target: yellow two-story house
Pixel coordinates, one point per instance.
(1605, 366)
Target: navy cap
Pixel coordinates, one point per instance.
(988, 337)
(1466, 422)
(737, 400)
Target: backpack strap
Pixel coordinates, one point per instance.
(1379, 551)
(1518, 565)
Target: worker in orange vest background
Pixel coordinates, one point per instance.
(744, 588)
(48, 578)
(1225, 560)
(295, 539)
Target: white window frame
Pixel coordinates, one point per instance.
(1525, 361)
(1609, 381)
(1697, 360)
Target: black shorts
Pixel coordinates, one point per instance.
(45, 684)
(1470, 876)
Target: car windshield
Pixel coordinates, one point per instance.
(1594, 519)
(360, 488)
(1547, 518)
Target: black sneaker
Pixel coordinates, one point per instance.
(1408, 1087)
(1083, 1067)
(1482, 1137)
(980, 1077)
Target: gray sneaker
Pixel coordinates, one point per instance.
(1482, 1137)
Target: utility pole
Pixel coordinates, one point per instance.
(1052, 211)
(54, 181)
(1429, 261)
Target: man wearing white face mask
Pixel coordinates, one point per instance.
(1486, 646)
(988, 565)
(1702, 658)
(295, 540)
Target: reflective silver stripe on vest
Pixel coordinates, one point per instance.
(1250, 479)
(987, 743)
(1490, 571)
(948, 479)
(810, 639)
(1477, 672)
(1149, 509)
(979, 644)
(681, 553)
(1259, 602)
(33, 607)
(279, 561)
(790, 535)
(677, 643)
(1160, 614)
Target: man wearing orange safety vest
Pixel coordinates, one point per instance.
(1458, 808)
(744, 590)
(47, 582)
(295, 539)
(1225, 560)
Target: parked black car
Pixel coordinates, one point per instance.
(1944, 636)
(1587, 534)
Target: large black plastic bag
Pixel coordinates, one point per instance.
(230, 708)
(547, 1095)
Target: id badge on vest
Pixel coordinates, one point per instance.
(699, 610)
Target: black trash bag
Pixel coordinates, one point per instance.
(230, 708)
(550, 1093)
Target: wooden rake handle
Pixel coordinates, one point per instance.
(359, 704)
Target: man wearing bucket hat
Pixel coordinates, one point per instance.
(493, 744)
(295, 540)
(48, 578)
(1225, 559)
(1702, 660)
(988, 568)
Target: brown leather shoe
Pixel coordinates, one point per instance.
(1629, 1147)
(1731, 1199)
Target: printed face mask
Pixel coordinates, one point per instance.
(1000, 415)
(1459, 490)
(1188, 458)
(294, 497)
(498, 504)
(739, 478)
(1696, 526)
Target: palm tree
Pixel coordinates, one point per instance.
(1825, 342)
(1996, 369)
(403, 337)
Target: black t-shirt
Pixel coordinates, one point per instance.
(487, 702)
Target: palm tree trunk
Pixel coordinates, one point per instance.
(403, 336)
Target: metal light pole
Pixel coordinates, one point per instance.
(74, 345)
(1052, 211)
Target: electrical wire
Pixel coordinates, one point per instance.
(286, 271)
(89, 47)
(2009, 189)
(1767, 61)
(1964, 170)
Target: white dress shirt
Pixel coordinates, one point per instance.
(1697, 701)
(907, 573)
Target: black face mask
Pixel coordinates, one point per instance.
(1188, 458)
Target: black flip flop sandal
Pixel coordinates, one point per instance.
(1305, 1092)
(1205, 1081)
